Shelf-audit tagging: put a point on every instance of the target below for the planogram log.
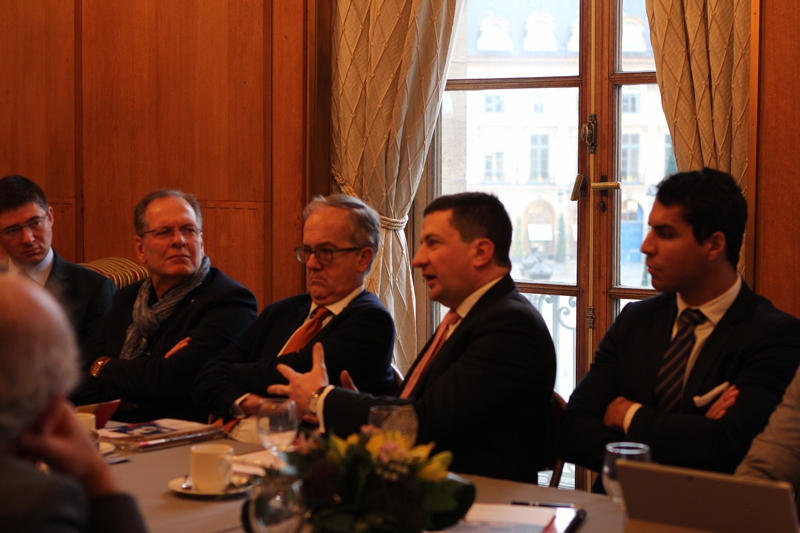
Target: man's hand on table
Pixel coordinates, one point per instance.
(302, 386)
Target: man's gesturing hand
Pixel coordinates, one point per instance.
(302, 386)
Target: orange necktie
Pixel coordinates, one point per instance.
(306, 332)
(449, 319)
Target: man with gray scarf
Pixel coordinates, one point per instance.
(161, 331)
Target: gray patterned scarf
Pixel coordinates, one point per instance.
(147, 320)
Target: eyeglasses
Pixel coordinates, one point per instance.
(324, 254)
(189, 233)
(35, 225)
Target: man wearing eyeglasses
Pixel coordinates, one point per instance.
(26, 234)
(160, 331)
(341, 236)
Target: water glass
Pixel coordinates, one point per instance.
(277, 423)
(632, 451)
(399, 418)
(276, 506)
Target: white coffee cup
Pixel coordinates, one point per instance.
(211, 466)
(87, 420)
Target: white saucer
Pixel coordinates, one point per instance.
(106, 448)
(239, 485)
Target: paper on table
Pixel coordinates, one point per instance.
(263, 458)
(484, 517)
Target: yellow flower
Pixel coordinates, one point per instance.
(376, 440)
(421, 452)
(436, 469)
(338, 446)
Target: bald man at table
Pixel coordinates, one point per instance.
(38, 366)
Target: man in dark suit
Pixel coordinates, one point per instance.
(159, 332)
(26, 233)
(483, 385)
(696, 371)
(341, 236)
(38, 366)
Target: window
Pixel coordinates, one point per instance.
(540, 158)
(629, 157)
(670, 165)
(494, 103)
(493, 167)
(541, 104)
(630, 102)
(494, 35)
(540, 33)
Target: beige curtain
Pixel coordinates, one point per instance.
(702, 53)
(389, 66)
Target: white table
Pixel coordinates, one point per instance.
(147, 474)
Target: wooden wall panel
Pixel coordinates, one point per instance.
(777, 265)
(226, 224)
(289, 191)
(173, 96)
(37, 104)
(65, 215)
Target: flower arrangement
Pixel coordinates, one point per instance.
(376, 481)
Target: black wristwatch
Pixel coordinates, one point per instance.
(313, 402)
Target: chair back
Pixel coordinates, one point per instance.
(397, 384)
(552, 460)
(119, 270)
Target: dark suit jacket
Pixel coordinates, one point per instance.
(360, 340)
(754, 346)
(31, 502)
(84, 293)
(214, 315)
(487, 394)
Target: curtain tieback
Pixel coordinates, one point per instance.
(392, 224)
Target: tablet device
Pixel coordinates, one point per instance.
(660, 499)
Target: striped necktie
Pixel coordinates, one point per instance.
(449, 319)
(673, 368)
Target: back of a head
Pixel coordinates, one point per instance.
(38, 354)
(479, 215)
(711, 201)
(16, 191)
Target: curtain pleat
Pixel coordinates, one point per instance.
(702, 54)
(390, 61)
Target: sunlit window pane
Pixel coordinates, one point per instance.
(644, 157)
(528, 157)
(635, 51)
(517, 39)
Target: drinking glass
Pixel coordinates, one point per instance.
(276, 506)
(399, 418)
(277, 424)
(632, 451)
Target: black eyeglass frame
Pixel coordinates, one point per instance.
(323, 254)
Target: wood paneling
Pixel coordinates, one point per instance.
(777, 264)
(37, 104)
(102, 101)
(173, 96)
(288, 163)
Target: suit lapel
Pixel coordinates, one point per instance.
(59, 274)
(660, 336)
(453, 346)
(714, 346)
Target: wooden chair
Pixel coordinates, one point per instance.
(119, 270)
(552, 460)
